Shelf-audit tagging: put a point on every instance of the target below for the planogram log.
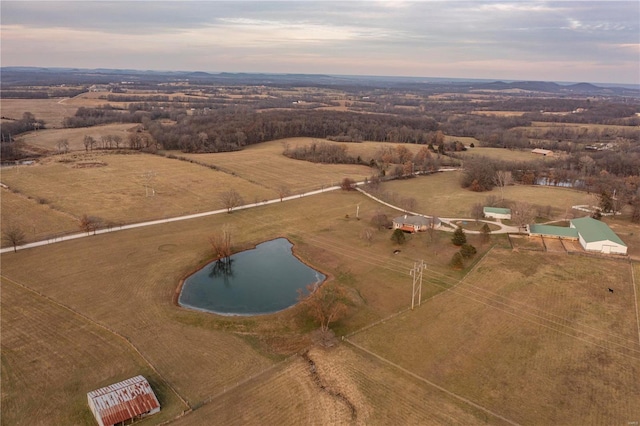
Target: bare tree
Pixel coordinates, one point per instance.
(63, 146)
(221, 244)
(367, 234)
(14, 236)
(283, 191)
(477, 211)
(348, 184)
(522, 213)
(502, 179)
(326, 303)
(89, 224)
(231, 199)
(89, 143)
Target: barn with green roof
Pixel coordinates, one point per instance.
(594, 235)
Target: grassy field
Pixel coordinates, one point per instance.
(535, 337)
(52, 111)
(47, 139)
(115, 187)
(440, 194)
(500, 154)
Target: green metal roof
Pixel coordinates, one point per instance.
(592, 230)
(555, 231)
(498, 210)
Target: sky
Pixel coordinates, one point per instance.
(564, 41)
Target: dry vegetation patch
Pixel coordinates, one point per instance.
(48, 138)
(535, 337)
(52, 111)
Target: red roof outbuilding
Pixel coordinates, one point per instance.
(131, 398)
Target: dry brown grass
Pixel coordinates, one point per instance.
(38, 221)
(52, 357)
(52, 111)
(500, 154)
(115, 189)
(377, 393)
(48, 139)
(441, 194)
(535, 337)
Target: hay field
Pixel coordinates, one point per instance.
(373, 394)
(47, 139)
(52, 357)
(37, 221)
(441, 194)
(112, 186)
(535, 337)
(52, 111)
(265, 165)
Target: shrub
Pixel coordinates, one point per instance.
(459, 238)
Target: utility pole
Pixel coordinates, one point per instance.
(358, 212)
(416, 273)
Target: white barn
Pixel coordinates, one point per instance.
(118, 403)
(596, 236)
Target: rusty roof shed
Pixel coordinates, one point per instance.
(130, 399)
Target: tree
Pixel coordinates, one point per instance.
(325, 304)
(485, 234)
(522, 213)
(283, 191)
(502, 179)
(222, 249)
(605, 202)
(381, 221)
(477, 211)
(63, 146)
(89, 143)
(231, 199)
(468, 251)
(398, 236)
(89, 224)
(459, 237)
(457, 261)
(14, 236)
(348, 184)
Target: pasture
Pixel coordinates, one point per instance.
(533, 336)
(52, 111)
(47, 139)
(440, 194)
(499, 154)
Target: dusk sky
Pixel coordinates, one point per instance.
(572, 41)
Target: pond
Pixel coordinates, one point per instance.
(259, 281)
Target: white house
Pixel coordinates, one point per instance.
(413, 224)
(595, 235)
(496, 213)
(543, 152)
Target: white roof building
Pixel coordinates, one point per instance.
(130, 399)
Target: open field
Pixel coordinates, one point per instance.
(115, 187)
(52, 111)
(47, 139)
(533, 336)
(373, 394)
(440, 194)
(51, 358)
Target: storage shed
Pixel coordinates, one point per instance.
(130, 399)
(596, 236)
(496, 212)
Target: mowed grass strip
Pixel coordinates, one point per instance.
(440, 194)
(52, 357)
(535, 337)
(127, 187)
(499, 154)
(37, 221)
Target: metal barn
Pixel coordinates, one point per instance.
(130, 399)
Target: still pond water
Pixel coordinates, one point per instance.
(263, 280)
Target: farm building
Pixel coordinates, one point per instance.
(543, 152)
(130, 399)
(593, 235)
(415, 223)
(597, 236)
(496, 212)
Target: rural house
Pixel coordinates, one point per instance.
(496, 213)
(543, 152)
(130, 399)
(594, 235)
(410, 223)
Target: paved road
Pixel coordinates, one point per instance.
(503, 228)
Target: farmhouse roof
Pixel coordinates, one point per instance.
(541, 151)
(497, 210)
(415, 220)
(123, 400)
(592, 230)
(553, 231)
